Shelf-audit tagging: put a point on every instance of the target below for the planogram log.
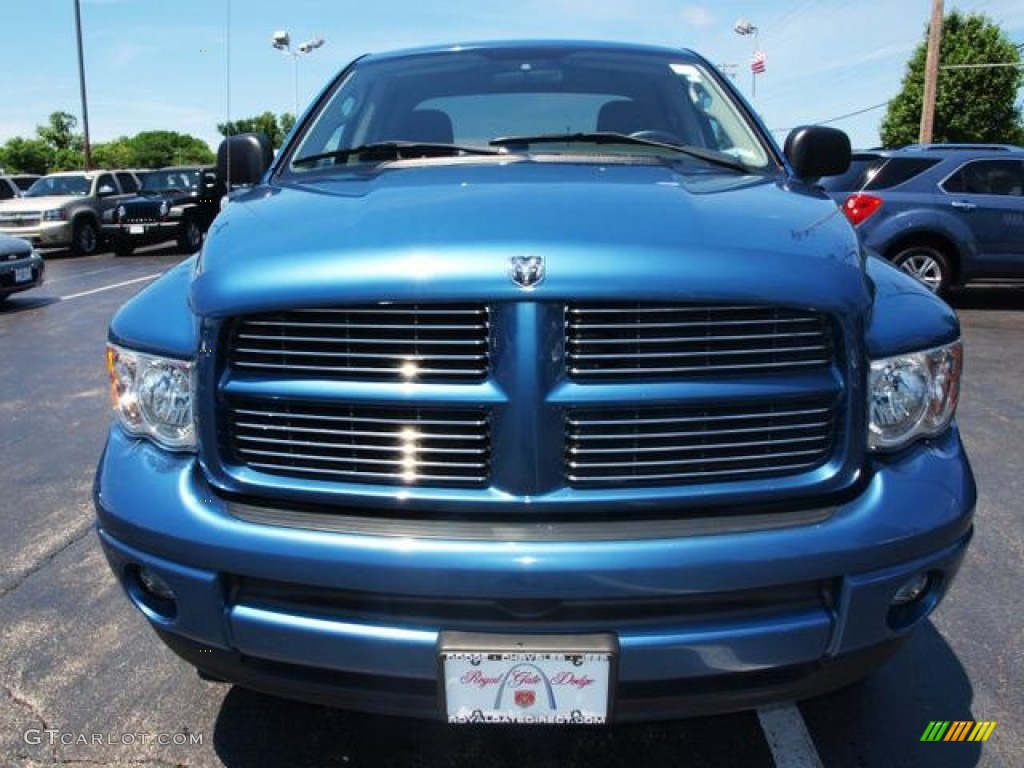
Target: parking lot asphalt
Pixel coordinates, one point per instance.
(78, 664)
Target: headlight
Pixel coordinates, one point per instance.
(153, 396)
(913, 395)
(54, 214)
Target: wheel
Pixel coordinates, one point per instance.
(190, 236)
(85, 238)
(123, 246)
(926, 263)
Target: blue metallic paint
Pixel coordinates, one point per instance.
(443, 231)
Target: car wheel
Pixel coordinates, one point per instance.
(123, 246)
(928, 264)
(190, 236)
(84, 238)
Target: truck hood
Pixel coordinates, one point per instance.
(429, 231)
(20, 204)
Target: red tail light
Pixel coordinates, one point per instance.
(858, 207)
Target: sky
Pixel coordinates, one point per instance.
(164, 64)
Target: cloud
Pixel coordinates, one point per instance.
(697, 16)
(125, 54)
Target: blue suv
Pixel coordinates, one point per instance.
(533, 383)
(944, 213)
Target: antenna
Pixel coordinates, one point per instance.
(227, 110)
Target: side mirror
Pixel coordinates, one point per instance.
(250, 153)
(816, 150)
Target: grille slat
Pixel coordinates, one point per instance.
(722, 443)
(393, 342)
(364, 444)
(703, 447)
(633, 340)
(703, 418)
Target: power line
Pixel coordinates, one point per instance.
(836, 119)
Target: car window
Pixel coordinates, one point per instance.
(6, 190)
(471, 98)
(877, 172)
(78, 184)
(105, 184)
(128, 183)
(160, 181)
(987, 177)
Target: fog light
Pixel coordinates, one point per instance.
(912, 590)
(154, 584)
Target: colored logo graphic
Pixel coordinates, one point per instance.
(525, 699)
(958, 730)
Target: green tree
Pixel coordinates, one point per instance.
(154, 149)
(276, 127)
(972, 105)
(114, 154)
(20, 155)
(64, 144)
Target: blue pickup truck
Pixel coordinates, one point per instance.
(533, 383)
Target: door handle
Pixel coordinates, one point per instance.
(963, 205)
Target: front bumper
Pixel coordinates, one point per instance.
(143, 230)
(711, 620)
(44, 234)
(21, 274)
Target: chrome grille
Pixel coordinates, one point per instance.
(21, 218)
(697, 445)
(384, 342)
(628, 340)
(361, 444)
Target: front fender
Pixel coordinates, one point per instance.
(159, 320)
(905, 315)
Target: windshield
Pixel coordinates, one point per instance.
(60, 185)
(160, 181)
(468, 99)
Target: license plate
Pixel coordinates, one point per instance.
(22, 274)
(533, 680)
(136, 229)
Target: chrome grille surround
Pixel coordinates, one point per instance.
(340, 442)
(381, 342)
(677, 445)
(607, 341)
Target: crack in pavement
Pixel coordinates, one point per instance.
(32, 708)
(36, 567)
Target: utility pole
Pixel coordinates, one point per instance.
(81, 84)
(931, 74)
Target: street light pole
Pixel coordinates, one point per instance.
(87, 150)
(282, 41)
(744, 27)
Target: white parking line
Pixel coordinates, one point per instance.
(75, 275)
(109, 287)
(787, 737)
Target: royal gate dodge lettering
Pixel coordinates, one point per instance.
(517, 678)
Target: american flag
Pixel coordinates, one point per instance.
(757, 63)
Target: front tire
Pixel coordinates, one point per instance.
(123, 246)
(190, 236)
(927, 264)
(85, 238)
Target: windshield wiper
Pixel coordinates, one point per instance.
(395, 150)
(707, 155)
